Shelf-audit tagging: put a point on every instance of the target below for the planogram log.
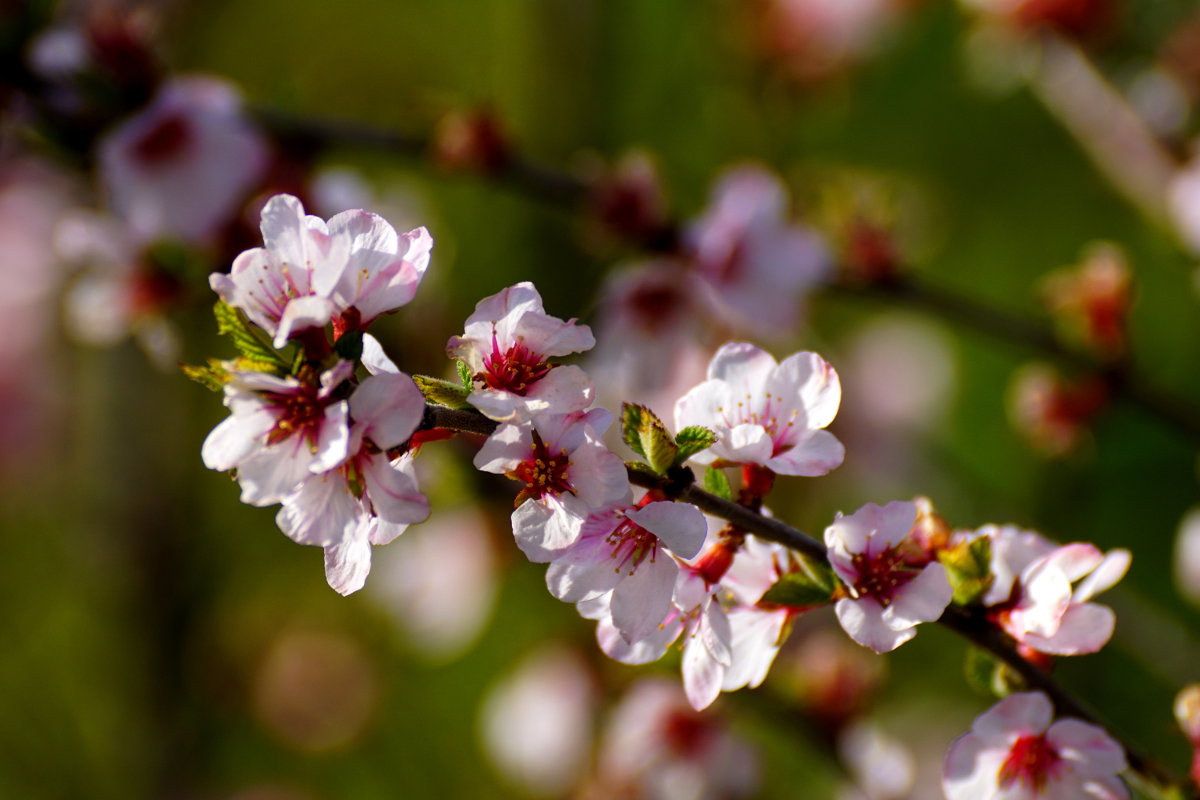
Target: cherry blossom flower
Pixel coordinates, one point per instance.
(756, 265)
(1031, 596)
(881, 766)
(309, 273)
(890, 595)
(816, 39)
(767, 413)
(567, 472)
(1014, 752)
(182, 166)
(627, 551)
(280, 430)
(757, 629)
(656, 746)
(507, 346)
(1091, 301)
(370, 498)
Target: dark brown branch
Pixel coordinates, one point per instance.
(970, 624)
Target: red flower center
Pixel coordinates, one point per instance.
(1031, 762)
(543, 473)
(631, 545)
(514, 369)
(300, 412)
(164, 142)
(881, 575)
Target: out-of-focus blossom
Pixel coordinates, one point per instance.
(813, 40)
(835, 680)
(316, 691)
(881, 766)
(119, 292)
(1077, 18)
(902, 371)
(655, 746)
(472, 140)
(182, 167)
(1187, 715)
(537, 722)
(439, 581)
(767, 413)
(567, 472)
(1183, 203)
(1053, 413)
(1187, 556)
(1091, 302)
(1031, 595)
(1015, 752)
(756, 265)
(890, 595)
(628, 205)
(626, 551)
(508, 344)
(310, 273)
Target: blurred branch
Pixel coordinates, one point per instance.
(969, 623)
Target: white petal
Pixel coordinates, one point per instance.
(816, 453)
(863, 620)
(742, 365)
(1020, 714)
(393, 492)
(301, 314)
(702, 675)
(374, 359)
(347, 564)
(321, 512)
(1105, 576)
(641, 601)
(923, 599)
(389, 406)
(680, 526)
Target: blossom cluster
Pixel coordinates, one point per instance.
(330, 431)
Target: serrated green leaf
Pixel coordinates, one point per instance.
(444, 393)
(247, 338)
(798, 589)
(717, 482)
(464, 375)
(631, 423)
(692, 440)
(212, 375)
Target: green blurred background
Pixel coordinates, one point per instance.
(143, 602)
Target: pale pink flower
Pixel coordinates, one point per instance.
(756, 265)
(508, 344)
(567, 472)
(627, 551)
(182, 166)
(1183, 204)
(1014, 752)
(536, 723)
(757, 631)
(814, 39)
(882, 767)
(655, 746)
(309, 273)
(890, 595)
(280, 431)
(767, 413)
(1032, 598)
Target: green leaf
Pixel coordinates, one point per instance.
(988, 675)
(803, 588)
(968, 568)
(464, 375)
(444, 393)
(717, 482)
(648, 437)
(692, 440)
(246, 337)
(212, 375)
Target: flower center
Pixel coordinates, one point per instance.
(686, 733)
(514, 369)
(881, 575)
(300, 412)
(1032, 762)
(543, 473)
(631, 545)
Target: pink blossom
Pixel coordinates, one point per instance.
(755, 263)
(567, 472)
(1032, 598)
(1015, 753)
(890, 594)
(627, 551)
(182, 166)
(767, 413)
(280, 431)
(353, 268)
(757, 629)
(656, 746)
(508, 344)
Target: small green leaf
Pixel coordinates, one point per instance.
(968, 568)
(464, 375)
(802, 589)
(350, 345)
(247, 338)
(717, 482)
(212, 375)
(988, 675)
(692, 440)
(444, 393)
(631, 423)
